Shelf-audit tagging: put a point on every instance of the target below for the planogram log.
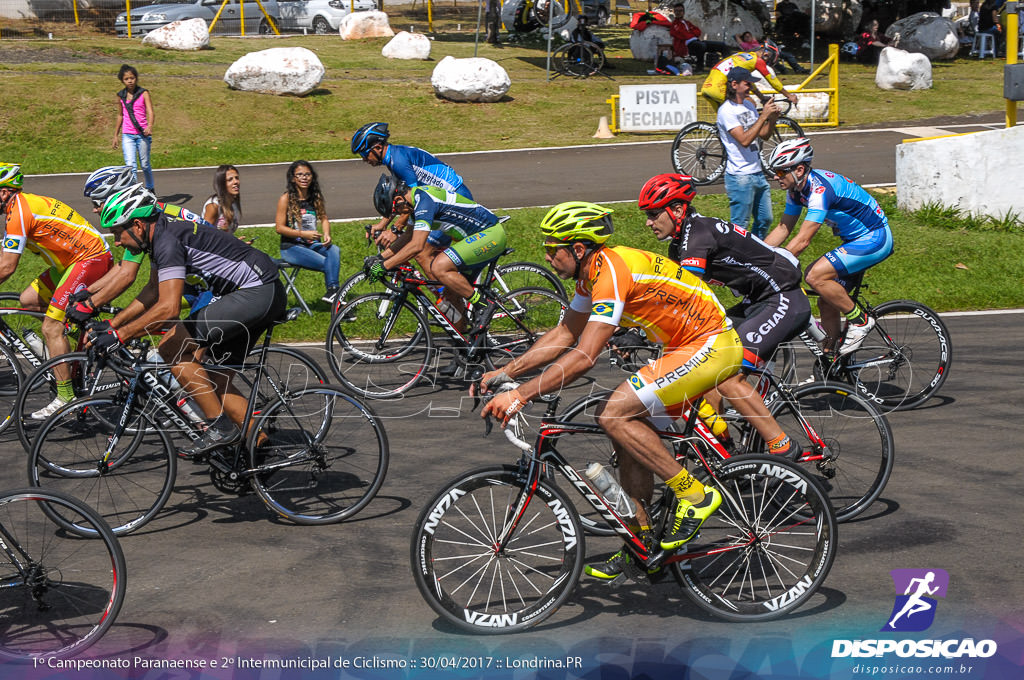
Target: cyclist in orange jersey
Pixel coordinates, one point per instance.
(76, 254)
(619, 286)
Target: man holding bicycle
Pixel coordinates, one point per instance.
(619, 286)
(74, 251)
(774, 307)
(249, 298)
(761, 60)
(854, 216)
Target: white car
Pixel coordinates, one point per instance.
(146, 19)
(318, 16)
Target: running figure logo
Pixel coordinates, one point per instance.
(914, 609)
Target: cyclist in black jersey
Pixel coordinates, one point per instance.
(774, 307)
(248, 298)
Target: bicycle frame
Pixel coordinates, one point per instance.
(12, 339)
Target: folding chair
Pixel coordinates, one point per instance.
(288, 272)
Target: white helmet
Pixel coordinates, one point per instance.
(109, 180)
(790, 153)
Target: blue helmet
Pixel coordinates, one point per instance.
(368, 136)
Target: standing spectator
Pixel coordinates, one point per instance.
(223, 208)
(871, 43)
(134, 129)
(740, 128)
(686, 38)
(299, 212)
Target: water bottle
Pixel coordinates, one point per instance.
(715, 422)
(36, 344)
(605, 483)
(187, 406)
(815, 331)
(449, 310)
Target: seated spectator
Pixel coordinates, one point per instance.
(223, 209)
(871, 43)
(686, 39)
(582, 32)
(305, 232)
(988, 22)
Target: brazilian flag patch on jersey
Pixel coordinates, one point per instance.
(11, 243)
(636, 382)
(602, 309)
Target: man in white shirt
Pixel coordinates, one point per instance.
(740, 127)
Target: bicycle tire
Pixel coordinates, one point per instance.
(389, 366)
(538, 566)
(74, 593)
(130, 491)
(289, 368)
(525, 315)
(524, 274)
(859, 449)
(39, 389)
(325, 473)
(697, 151)
(905, 359)
(578, 59)
(785, 129)
(20, 321)
(767, 549)
(11, 381)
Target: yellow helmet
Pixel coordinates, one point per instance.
(10, 176)
(578, 221)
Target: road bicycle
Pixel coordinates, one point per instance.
(59, 593)
(380, 345)
(580, 59)
(901, 364)
(313, 453)
(698, 150)
(499, 549)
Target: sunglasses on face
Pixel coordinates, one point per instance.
(653, 214)
(552, 250)
(779, 174)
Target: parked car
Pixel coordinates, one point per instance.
(597, 11)
(318, 16)
(60, 10)
(152, 17)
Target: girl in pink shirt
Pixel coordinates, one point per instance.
(134, 128)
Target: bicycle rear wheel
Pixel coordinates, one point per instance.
(10, 385)
(697, 151)
(847, 443)
(128, 491)
(579, 59)
(525, 315)
(377, 348)
(906, 358)
(785, 130)
(290, 370)
(513, 275)
(58, 593)
(29, 347)
(767, 549)
(479, 588)
(325, 456)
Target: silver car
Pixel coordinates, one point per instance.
(318, 16)
(149, 18)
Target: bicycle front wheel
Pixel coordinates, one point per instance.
(847, 443)
(129, 489)
(320, 456)
(769, 546)
(524, 315)
(58, 593)
(379, 347)
(479, 576)
(905, 359)
(513, 275)
(785, 130)
(697, 151)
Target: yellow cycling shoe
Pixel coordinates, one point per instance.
(689, 519)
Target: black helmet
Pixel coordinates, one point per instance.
(388, 187)
(369, 136)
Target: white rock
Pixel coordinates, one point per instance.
(902, 70)
(279, 70)
(470, 80)
(407, 45)
(810, 106)
(365, 25)
(644, 44)
(927, 33)
(184, 35)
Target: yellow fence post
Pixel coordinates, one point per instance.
(128, 15)
(430, 15)
(1012, 45)
(614, 125)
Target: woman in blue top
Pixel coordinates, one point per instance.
(305, 232)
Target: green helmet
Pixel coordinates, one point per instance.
(10, 176)
(135, 202)
(578, 221)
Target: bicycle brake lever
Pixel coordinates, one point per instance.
(488, 426)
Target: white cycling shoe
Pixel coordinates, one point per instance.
(855, 335)
(48, 410)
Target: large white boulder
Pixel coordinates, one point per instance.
(186, 35)
(470, 80)
(644, 44)
(279, 70)
(902, 70)
(810, 106)
(927, 33)
(359, 25)
(407, 45)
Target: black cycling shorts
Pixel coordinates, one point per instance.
(766, 324)
(230, 325)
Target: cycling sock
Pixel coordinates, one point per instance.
(686, 487)
(857, 316)
(780, 443)
(475, 297)
(65, 390)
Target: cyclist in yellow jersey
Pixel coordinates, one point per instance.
(619, 286)
(761, 60)
(76, 254)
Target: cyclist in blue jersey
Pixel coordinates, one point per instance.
(412, 166)
(854, 216)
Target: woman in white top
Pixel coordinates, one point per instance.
(223, 209)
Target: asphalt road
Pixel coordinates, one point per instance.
(216, 576)
(515, 179)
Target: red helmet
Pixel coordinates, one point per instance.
(661, 190)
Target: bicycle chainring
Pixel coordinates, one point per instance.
(230, 482)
